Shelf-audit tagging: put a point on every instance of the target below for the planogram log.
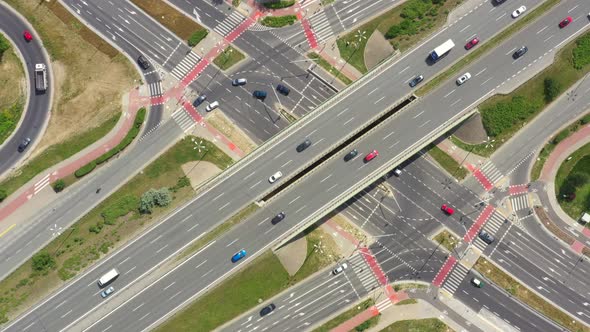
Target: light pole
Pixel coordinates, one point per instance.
(200, 147)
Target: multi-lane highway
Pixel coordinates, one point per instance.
(37, 109)
(216, 204)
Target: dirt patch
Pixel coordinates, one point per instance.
(89, 78)
(471, 130)
(169, 17)
(350, 227)
(199, 171)
(377, 49)
(292, 255)
(222, 123)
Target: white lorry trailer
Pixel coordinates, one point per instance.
(40, 77)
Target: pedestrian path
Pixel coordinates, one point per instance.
(321, 26)
(229, 23)
(363, 272)
(455, 278)
(186, 65)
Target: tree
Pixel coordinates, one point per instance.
(162, 197)
(146, 203)
(43, 261)
(58, 185)
(552, 89)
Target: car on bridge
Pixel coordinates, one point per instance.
(371, 155)
(304, 145)
(238, 255)
(566, 21)
(349, 156)
(278, 218)
(273, 178)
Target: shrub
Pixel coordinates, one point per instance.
(152, 198)
(58, 185)
(278, 21)
(42, 262)
(80, 172)
(561, 136)
(584, 120)
(96, 228)
(4, 45)
(104, 248)
(181, 183)
(163, 197)
(3, 194)
(196, 37)
(279, 4)
(552, 89)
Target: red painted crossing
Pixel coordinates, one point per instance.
(518, 189)
(313, 43)
(374, 265)
(444, 271)
(481, 220)
(487, 185)
(577, 246)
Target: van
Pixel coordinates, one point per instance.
(108, 277)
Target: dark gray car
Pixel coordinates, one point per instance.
(416, 80)
(276, 219)
(486, 237)
(143, 62)
(520, 52)
(304, 145)
(268, 309)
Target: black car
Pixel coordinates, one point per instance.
(283, 89)
(486, 237)
(416, 80)
(23, 145)
(278, 218)
(199, 100)
(259, 94)
(520, 52)
(143, 62)
(267, 310)
(351, 155)
(304, 145)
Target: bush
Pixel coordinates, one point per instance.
(278, 21)
(196, 37)
(96, 228)
(279, 4)
(552, 89)
(3, 194)
(80, 172)
(561, 136)
(415, 9)
(502, 116)
(152, 198)
(58, 185)
(181, 183)
(42, 262)
(584, 120)
(4, 45)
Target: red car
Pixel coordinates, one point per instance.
(447, 209)
(371, 155)
(471, 43)
(566, 21)
(27, 35)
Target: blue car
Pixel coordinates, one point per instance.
(238, 255)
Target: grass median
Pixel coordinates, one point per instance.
(169, 17)
(278, 21)
(262, 278)
(343, 317)
(418, 325)
(446, 240)
(12, 99)
(572, 183)
(447, 162)
(229, 57)
(500, 278)
(106, 227)
(329, 68)
(485, 47)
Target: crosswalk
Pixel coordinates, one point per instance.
(363, 272)
(491, 172)
(155, 89)
(186, 65)
(321, 26)
(519, 202)
(259, 27)
(183, 120)
(455, 278)
(229, 23)
(492, 226)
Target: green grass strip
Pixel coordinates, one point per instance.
(448, 163)
(485, 47)
(329, 68)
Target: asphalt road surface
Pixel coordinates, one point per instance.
(38, 107)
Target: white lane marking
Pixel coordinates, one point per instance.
(296, 198)
(232, 242)
(448, 94)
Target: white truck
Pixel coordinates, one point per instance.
(40, 77)
(108, 277)
(441, 50)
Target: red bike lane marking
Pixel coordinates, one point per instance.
(374, 265)
(444, 271)
(483, 180)
(481, 219)
(517, 189)
(309, 34)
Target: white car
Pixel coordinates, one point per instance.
(340, 268)
(518, 11)
(464, 78)
(212, 106)
(275, 177)
(397, 171)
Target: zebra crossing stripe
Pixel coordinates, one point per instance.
(455, 278)
(229, 23)
(383, 305)
(185, 66)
